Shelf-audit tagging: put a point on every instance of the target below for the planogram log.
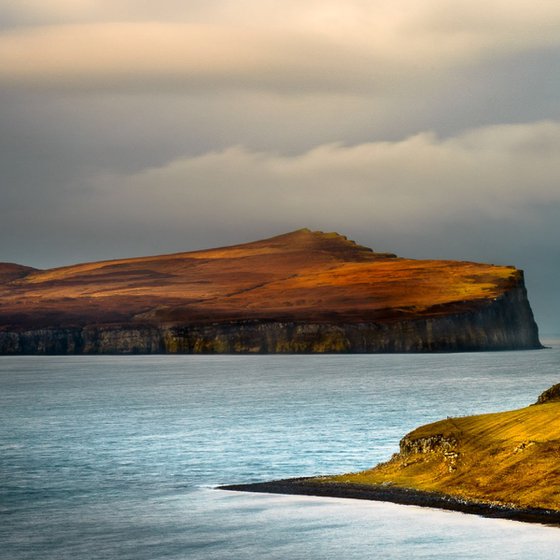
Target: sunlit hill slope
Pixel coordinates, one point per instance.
(257, 297)
(508, 458)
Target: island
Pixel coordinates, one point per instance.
(503, 465)
(301, 292)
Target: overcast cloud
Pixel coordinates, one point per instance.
(427, 128)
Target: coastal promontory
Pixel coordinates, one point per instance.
(502, 464)
(301, 292)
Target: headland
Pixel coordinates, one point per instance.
(300, 292)
(500, 465)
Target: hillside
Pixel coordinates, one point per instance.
(507, 458)
(303, 291)
(501, 465)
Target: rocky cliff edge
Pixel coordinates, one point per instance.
(304, 291)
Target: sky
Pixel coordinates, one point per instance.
(428, 128)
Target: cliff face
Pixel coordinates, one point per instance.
(506, 458)
(302, 292)
(493, 328)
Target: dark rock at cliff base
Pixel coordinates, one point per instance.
(550, 395)
(302, 292)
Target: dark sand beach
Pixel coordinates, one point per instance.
(404, 496)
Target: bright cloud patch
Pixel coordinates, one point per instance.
(489, 173)
(336, 46)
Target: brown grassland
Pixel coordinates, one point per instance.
(300, 276)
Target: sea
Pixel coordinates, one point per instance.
(119, 457)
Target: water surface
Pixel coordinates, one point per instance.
(117, 457)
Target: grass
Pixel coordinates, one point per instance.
(300, 276)
(510, 458)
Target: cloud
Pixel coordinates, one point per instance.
(499, 173)
(80, 11)
(332, 46)
(154, 56)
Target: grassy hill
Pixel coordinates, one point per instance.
(304, 291)
(508, 458)
(302, 275)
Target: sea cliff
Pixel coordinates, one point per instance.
(304, 292)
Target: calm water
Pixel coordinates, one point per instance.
(117, 457)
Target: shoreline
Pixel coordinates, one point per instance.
(310, 486)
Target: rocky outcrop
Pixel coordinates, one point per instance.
(304, 292)
(437, 443)
(550, 395)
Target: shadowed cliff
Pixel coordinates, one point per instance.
(303, 291)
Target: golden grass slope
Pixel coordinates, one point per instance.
(300, 276)
(509, 458)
